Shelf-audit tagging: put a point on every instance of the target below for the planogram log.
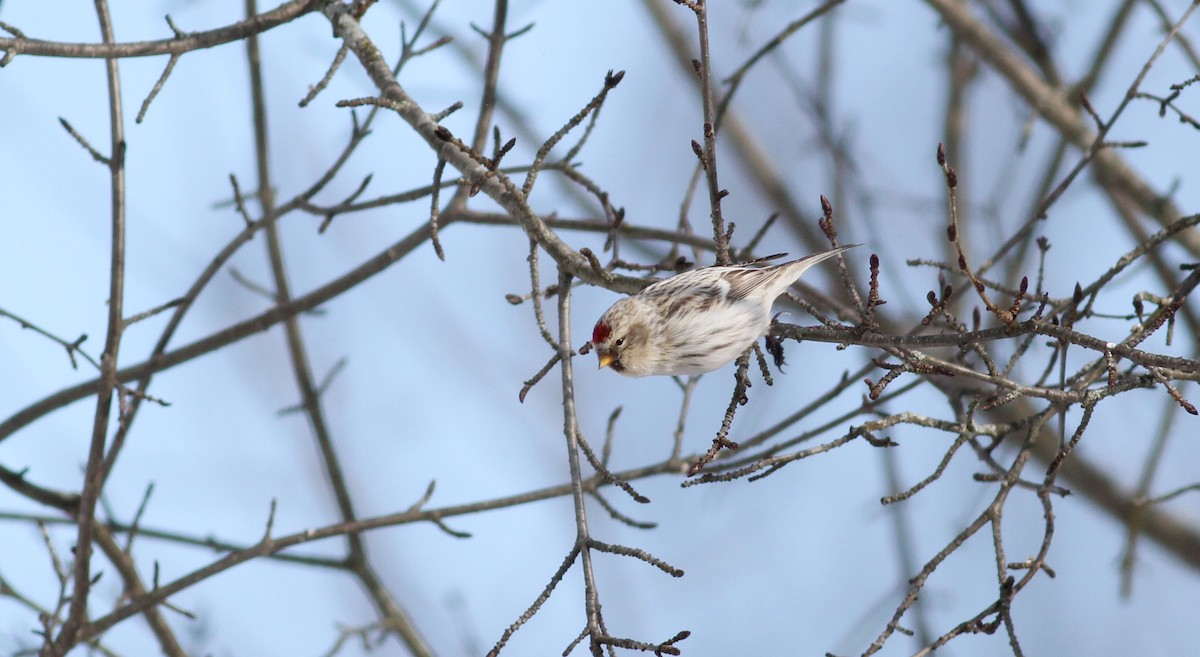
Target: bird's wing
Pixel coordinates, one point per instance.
(694, 291)
(743, 281)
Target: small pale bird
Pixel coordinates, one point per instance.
(697, 321)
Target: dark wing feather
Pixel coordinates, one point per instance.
(687, 293)
(700, 300)
(743, 282)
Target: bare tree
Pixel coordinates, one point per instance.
(445, 216)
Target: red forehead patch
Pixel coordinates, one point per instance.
(600, 333)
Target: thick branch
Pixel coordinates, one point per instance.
(284, 13)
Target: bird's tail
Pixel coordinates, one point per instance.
(798, 267)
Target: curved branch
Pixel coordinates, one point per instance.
(284, 13)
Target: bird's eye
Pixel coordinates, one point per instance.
(619, 342)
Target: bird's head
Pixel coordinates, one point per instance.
(621, 340)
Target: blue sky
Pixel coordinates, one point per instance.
(802, 562)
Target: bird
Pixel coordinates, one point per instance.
(697, 321)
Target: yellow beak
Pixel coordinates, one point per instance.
(606, 358)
